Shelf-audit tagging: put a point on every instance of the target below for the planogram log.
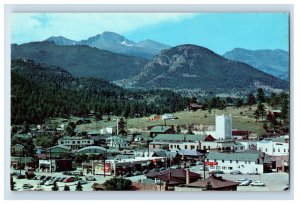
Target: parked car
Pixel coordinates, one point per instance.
(155, 170)
(47, 178)
(21, 176)
(246, 183)
(15, 173)
(69, 179)
(145, 171)
(199, 163)
(36, 178)
(253, 173)
(235, 172)
(240, 180)
(257, 183)
(42, 177)
(42, 182)
(175, 167)
(77, 173)
(56, 179)
(27, 186)
(82, 182)
(127, 174)
(62, 179)
(38, 188)
(68, 173)
(162, 169)
(90, 178)
(219, 172)
(136, 173)
(49, 183)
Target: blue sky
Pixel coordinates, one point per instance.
(219, 32)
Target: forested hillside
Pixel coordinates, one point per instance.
(39, 91)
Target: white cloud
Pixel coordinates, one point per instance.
(39, 26)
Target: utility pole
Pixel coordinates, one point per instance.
(148, 142)
(204, 165)
(20, 161)
(50, 161)
(25, 163)
(117, 126)
(104, 161)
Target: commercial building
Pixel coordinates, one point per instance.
(245, 162)
(273, 148)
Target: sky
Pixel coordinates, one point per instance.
(220, 32)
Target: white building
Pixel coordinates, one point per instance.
(223, 127)
(75, 143)
(228, 162)
(273, 148)
(115, 141)
(109, 130)
(175, 146)
(250, 144)
(167, 116)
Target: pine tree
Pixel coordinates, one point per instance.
(121, 126)
(55, 187)
(78, 186)
(260, 111)
(251, 99)
(239, 102)
(66, 188)
(117, 184)
(178, 129)
(260, 95)
(12, 183)
(208, 187)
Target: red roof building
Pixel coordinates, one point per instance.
(240, 134)
(215, 183)
(175, 177)
(195, 106)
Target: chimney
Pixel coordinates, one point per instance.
(187, 176)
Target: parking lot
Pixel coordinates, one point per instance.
(273, 181)
(85, 187)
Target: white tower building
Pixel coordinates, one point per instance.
(223, 127)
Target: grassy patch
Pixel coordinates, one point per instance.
(243, 119)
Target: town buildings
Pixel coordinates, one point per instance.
(74, 142)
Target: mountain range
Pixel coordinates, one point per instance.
(116, 43)
(81, 60)
(193, 67)
(274, 62)
(184, 67)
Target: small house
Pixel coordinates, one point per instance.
(161, 130)
(154, 117)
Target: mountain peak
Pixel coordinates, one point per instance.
(61, 40)
(192, 67)
(116, 43)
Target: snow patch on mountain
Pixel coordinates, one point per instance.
(125, 43)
